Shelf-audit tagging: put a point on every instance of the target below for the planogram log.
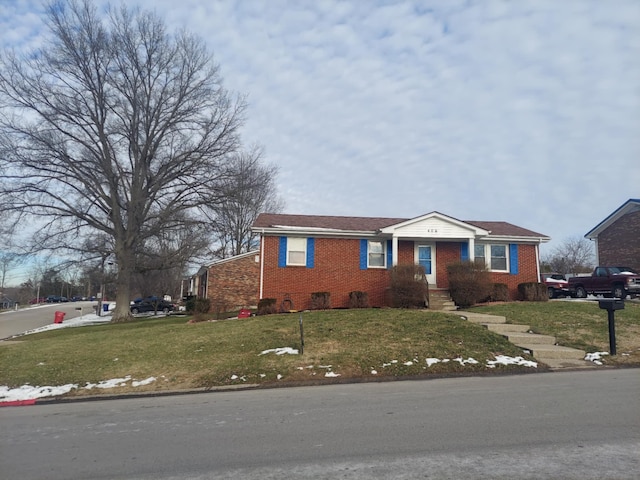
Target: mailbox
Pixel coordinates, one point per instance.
(611, 304)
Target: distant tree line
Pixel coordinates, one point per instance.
(574, 255)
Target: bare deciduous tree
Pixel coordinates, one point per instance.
(248, 189)
(574, 255)
(166, 258)
(8, 261)
(113, 127)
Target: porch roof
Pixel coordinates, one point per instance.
(275, 223)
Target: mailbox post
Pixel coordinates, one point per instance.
(611, 305)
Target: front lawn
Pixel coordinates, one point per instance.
(339, 345)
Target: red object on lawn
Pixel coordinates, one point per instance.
(244, 313)
(59, 317)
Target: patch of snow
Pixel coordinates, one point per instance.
(374, 372)
(331, 374)
(408, 364)
(432, 361)
(28, 392)
(114, 382)
(506, 360)
(469, 360)
(140, 383)
(281, 351)
(595, 357)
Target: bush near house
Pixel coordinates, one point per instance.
(533, 292)
(500, 293)
(409, 288)
(320, 300)
(358, 299)
(267, 306)
(469, 283)
(198, 305)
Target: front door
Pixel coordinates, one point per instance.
(426, 256)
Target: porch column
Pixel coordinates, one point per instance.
(472, 244)
(394, 251)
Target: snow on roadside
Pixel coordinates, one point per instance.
(29, 392)
(84, 320)
(595, 357)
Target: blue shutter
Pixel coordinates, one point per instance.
(513, 258)
(464, 251)
(310, 252)
(389, 253)
(363, 254)
(282, 252)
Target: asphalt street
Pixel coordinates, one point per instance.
(15, 322)
(559, 425)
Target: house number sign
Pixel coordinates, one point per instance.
(432, 230)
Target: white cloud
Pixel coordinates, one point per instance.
(519, 111)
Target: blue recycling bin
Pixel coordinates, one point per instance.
(105, 307)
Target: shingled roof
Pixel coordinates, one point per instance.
(373, 224)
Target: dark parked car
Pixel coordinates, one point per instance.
(55, 299)
(557, 284)
(147, 306)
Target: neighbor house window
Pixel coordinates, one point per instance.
(494, 257)
(376, 254)
(296, 251)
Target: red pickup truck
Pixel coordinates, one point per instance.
(617, 282)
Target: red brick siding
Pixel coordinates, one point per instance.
(235, 283)
(527, 271)
(337, 270)
(446, 253)
(406, 252)
(619, 243)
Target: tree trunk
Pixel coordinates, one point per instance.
(122, 312)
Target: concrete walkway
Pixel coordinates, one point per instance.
(542, 347)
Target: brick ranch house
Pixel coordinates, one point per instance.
(230, 283)
(302, 254)
(616, 237)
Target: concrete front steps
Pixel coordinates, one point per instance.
(542, 347)
(441, 300)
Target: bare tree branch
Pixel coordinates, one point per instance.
(248, 189)
(114, 126)
(575, 255)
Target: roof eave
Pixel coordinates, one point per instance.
(619, 212)
(315, 232)
(516, 238)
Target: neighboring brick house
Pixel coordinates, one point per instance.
(302, 254)
(617, 237)
(231, 283)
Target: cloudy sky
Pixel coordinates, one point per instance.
(521, 111)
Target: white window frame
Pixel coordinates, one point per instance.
(297, 245)
(383, 244)
(487, 256)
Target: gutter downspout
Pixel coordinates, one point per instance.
(261, 265)
(538, 261)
